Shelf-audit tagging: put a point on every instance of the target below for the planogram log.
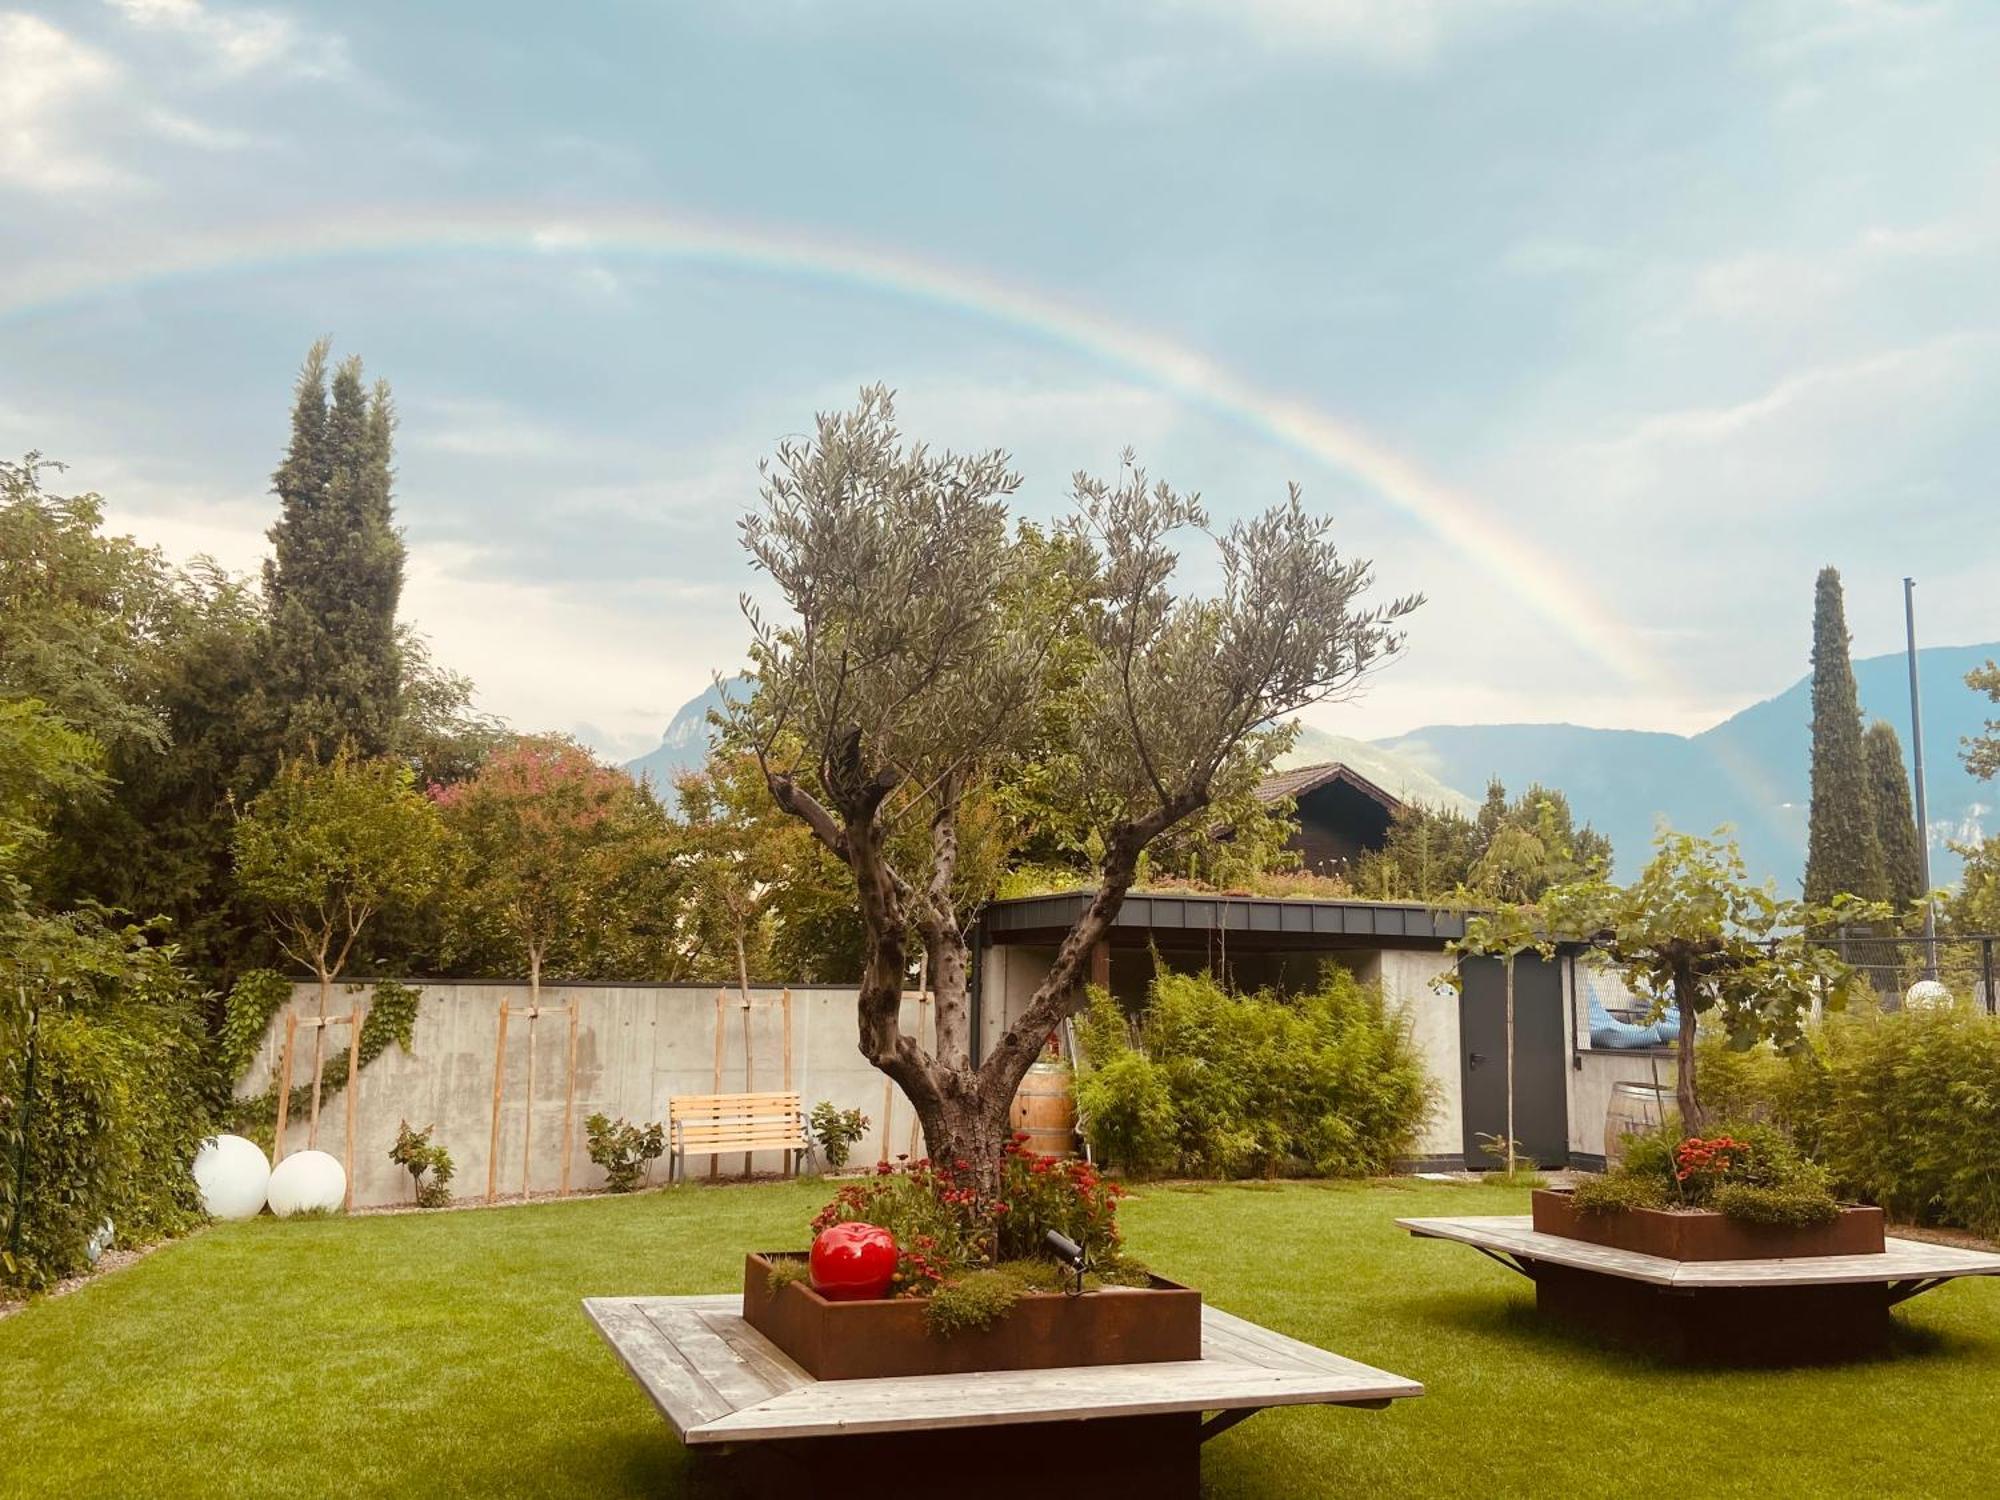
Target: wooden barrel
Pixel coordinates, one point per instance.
(1634, 1109)
(1045, 1110)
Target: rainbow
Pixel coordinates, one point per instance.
(1458, 521)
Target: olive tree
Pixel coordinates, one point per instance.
(926, 650)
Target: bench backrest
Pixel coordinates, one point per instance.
(737, 1122)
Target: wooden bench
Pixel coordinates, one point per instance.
(759, 1424)
(713, 1124)
(1767, 1311)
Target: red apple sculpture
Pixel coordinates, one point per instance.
(853, 1262)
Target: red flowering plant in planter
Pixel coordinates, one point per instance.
(1748, 1172)
(974, 1250)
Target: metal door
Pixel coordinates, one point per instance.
(1541, 1081)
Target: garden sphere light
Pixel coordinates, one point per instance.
(307, 1182)
(1927, 994)
(233, 1176)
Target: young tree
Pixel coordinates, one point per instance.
(1895, 818)
(1982, 751)
(1692, 932)
(912, 671)
(336, 576)
(1843, 851)
(326, 848)
(542, 827)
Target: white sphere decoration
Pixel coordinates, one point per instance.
(232, 1174)
(305, 1181)
(1928, 994)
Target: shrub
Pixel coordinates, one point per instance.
(625, 1151)
(120, 1108)
(835, 1130)
(1902, 1109)
(1614, 1192)
(1794, 1206)
(1751, 1172)
(1912, 1114)
(948, 1224)
(1324, 1084)
(415, 1154)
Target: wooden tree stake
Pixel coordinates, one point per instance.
(749, 1081)
(785, 1000)
(721, 1001)
(569, 1098)
(285, 1086)
(353, 1089)
(499, 1069)
(528, 1114)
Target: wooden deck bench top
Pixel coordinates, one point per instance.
(1902, 1260)
(712, 1124)
(717, 1380)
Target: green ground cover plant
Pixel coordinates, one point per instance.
(412, 1372)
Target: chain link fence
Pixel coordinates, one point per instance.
(1965, 966)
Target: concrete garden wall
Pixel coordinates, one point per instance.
(637, 1047)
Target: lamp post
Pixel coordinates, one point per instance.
(1917, 767)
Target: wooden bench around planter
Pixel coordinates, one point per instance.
(1771, 1310)
(718, 1124)
(756, 1423)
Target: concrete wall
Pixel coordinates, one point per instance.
(637, 1047)
(1410, 979)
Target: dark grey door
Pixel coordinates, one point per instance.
(1541, 1078)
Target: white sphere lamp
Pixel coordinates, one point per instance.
(1927, 994)
(306, 1181)
(232, 1174)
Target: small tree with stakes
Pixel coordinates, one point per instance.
(1692, 931)
(927, 654)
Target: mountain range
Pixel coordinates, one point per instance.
(1751, 771)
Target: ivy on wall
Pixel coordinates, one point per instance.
(258, 996)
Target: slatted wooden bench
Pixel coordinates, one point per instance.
(713, 1124)
(758, 1424)
(1776, 1310)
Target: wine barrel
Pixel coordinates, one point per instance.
(1045, 1110)
(1634, 1109)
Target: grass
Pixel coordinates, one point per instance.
(444, 1354)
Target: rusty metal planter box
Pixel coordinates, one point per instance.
(1705, 1234)
(1044, 1330)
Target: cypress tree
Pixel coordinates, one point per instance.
(1895, 816)
(336, 576)
(1843, 850)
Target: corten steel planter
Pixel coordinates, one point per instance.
(1703, 1234)
(1771, 1326)
(1044, 1330)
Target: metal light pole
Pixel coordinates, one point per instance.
(1917, 767)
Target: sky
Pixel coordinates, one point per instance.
(1603, 325)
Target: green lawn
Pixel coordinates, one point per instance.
(445, 1354)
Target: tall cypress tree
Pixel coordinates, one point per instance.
(1843, 850)
(1895, 816)
(336, 575)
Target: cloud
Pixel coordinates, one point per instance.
(47, 79)
(241, 42)
(1774, 285)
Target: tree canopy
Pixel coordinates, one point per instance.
(1843, 848)
(910, 670)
